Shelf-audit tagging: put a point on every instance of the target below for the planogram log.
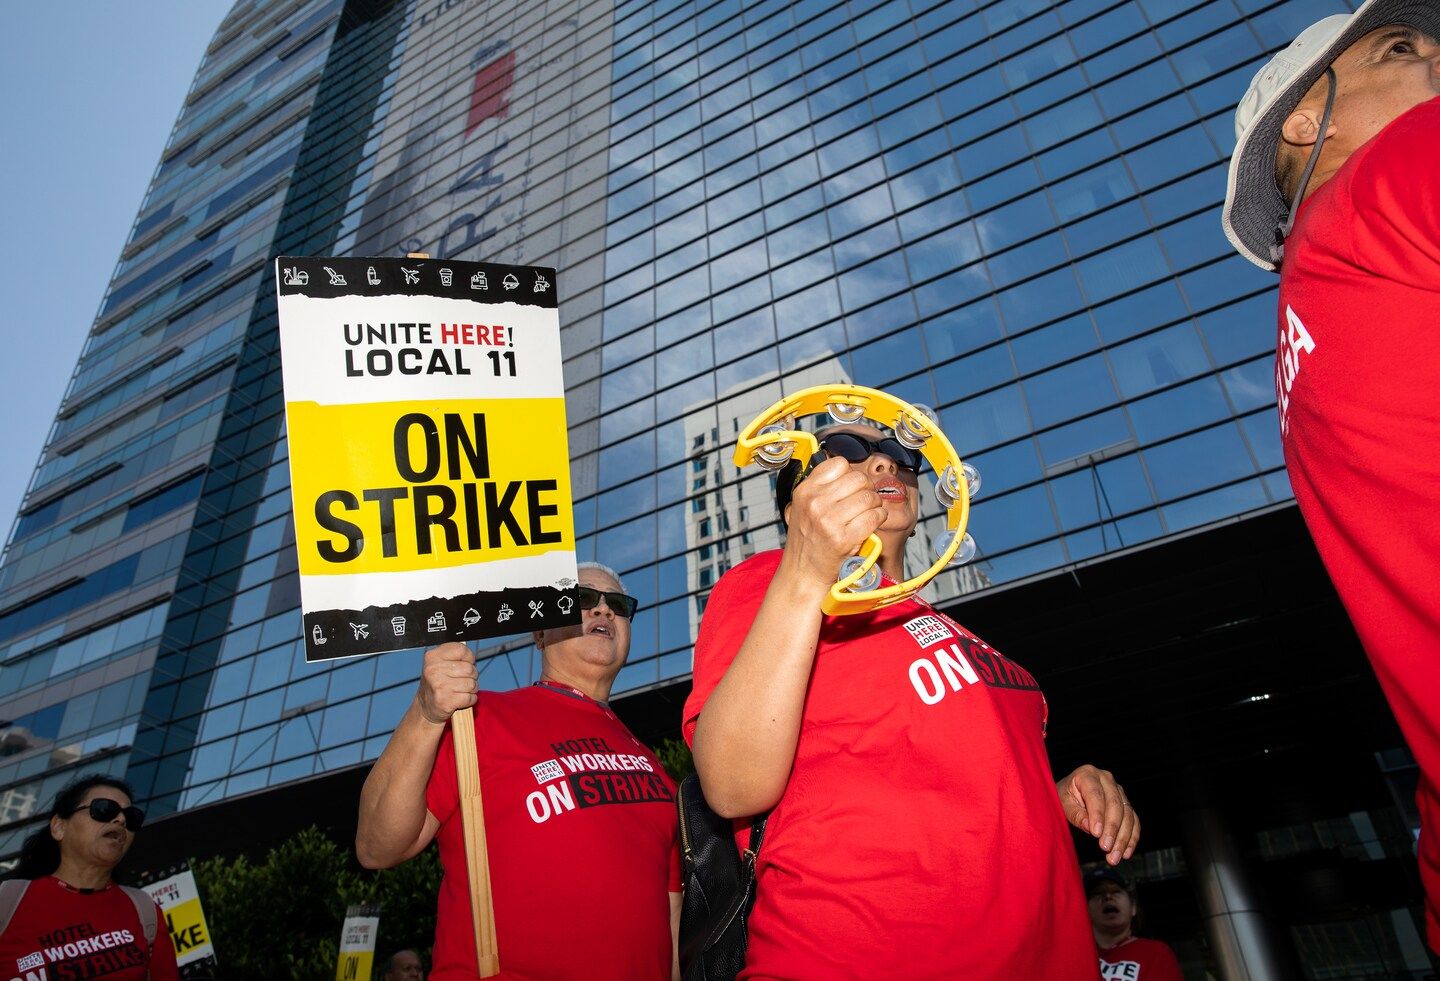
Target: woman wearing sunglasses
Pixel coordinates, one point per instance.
(66, 918)
(579, 815)
(915, 829)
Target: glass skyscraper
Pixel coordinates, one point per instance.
(1007, 210)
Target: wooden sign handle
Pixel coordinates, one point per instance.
(477, 857)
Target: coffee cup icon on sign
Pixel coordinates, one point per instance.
(397, 624)
(447, 277)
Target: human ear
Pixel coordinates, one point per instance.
(1301, 127)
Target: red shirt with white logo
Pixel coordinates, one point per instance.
(920, 834)
(1139, 959)
(1358, 381)
(60, 933)
(581, 827)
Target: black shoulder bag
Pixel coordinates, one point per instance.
(719, 888)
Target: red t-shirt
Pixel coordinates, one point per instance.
(1358, 382)
(581, 827)
(64, 934)
(1138, 959)
(920, 834)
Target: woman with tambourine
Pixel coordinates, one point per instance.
(915, 829)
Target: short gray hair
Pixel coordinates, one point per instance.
(602, 567)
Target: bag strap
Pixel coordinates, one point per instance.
(145, 906)
(757, 833)
(11, 892)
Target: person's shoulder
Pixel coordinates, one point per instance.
(1154, 948)
(760, 566)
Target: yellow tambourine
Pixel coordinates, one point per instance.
(772, 441)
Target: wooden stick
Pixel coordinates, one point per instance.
(472, 821)
(477, 857)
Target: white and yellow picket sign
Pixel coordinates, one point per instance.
(430, 472)
(357, 943)
(180, 906)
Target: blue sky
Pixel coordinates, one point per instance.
(92, 89)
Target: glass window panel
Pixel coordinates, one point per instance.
(1071, 444)
(1168, 158)
(1251, 385)
(1138, 312)
(868, 283)
(1158, 359)
(1024, 260)
(988, 420)
(807, 309)
(881, 362)
(825, 343)
(1070, 390)
(973, 373)
(1005, 468)
(858, 212)
(1058, 342)
(962, 330)
(942, 253)
(1228, 279)
(925, 183)
(1264, 435)
(1188, 407)
(1204, 459)
(628, 460)
(1195, 240)
(941, 212)
(881, 318)
(1217, 504)
(861, 248)
(1122, 268)
(1014, 519)
(1015, 222)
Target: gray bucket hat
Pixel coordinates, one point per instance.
(1255, 209)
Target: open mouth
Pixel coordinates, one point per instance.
(116, 833)
(890, 489)
(600, 627)
(1110, 909)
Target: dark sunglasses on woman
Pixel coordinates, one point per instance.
(104, 810)
(858, 449)
(620, 604)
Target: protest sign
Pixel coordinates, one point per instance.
(180, 906)
(430, 472)
(357, 943)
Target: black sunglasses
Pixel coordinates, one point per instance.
(104, 810)
(858, 449)
(619, 603)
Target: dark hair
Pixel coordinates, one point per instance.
(40, 853)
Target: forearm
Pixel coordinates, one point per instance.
(746, 734)
(392, 803)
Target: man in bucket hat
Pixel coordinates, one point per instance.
(1334, 182)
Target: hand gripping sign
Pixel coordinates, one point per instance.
(772, 441)
(425, 413)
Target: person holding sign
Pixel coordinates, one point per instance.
(579, 816)
(61, 916)
(900, 758)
